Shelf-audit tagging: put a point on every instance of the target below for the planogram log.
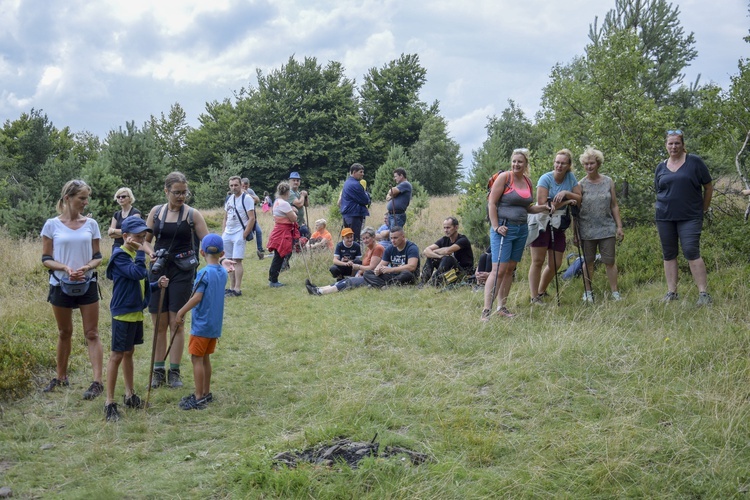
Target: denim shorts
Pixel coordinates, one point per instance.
(512, 243)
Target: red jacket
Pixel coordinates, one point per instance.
(282, 238)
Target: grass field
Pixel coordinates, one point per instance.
(627, 399)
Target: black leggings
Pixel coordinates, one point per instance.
(275, 269)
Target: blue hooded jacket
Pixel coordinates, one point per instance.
(127, 275)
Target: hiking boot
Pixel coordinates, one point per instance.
(190, 403)
(503, 311)
(237, 293)
(670, 296)
(133, 402)
(275, 284)
(158, 378)
(588, 297)
(261, 254)
(111, 413)
(616, 296)
(173, 379)
(228, 292)
(704, 299)
(56, 382)
(94, 390)
(486, 313)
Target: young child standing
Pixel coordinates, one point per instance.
(130, 295)
(207, 319)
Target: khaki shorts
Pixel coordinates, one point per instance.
(606, 250)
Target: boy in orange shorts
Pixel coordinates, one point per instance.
(207, 319)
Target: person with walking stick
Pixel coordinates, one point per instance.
(598, 222)
(510, 200)
(556, 189)
(131, 294)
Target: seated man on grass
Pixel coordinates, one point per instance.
(400, 264)
(347, 253)
(373, 255)
(451, 252)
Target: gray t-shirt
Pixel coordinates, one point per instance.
(596, 219)
(400, 202)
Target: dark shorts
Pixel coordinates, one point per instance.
(544, 240)
(687, 232)
(176, 294)
(126, 335)
(56, 297)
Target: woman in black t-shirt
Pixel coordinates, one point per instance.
(683, 194)
(124, 197)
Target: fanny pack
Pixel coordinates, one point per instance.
(186, 261)
(74, 288)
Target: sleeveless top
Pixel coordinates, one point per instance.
(117, 242)
(596, 220)
(179, 231)
(514, 202)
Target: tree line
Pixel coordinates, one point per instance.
(620, 95)
(303, 117)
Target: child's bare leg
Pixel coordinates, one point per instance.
(127, 372)
(198, 376)
(206, 376)
(112, 366)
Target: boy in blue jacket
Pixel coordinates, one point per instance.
(130, 295)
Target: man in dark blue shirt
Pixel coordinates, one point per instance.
(400, 263)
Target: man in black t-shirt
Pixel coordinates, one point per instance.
(347, 252)
(452, 251)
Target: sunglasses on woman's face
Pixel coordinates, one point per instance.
(121, 196)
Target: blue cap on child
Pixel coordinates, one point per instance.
(212, 243)
(134, 225)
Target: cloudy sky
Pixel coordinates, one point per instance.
(93, 65)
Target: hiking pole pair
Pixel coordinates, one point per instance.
(554, 256)
(585, 275)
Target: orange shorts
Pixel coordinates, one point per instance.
(200, 346)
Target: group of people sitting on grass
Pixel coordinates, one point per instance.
(450, 259)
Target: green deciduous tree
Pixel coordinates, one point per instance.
(391, 109)
(435, 158)
(663, 42)
(397, 158)
(302, 117)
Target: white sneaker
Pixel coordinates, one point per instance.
(616, 296)
(588, 297)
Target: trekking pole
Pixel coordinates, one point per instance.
(585, 270)
(153, 345)
(554, 257)
(303, 251)
(497, 270)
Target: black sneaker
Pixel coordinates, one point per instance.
(133, 402)
(94, 390)
(56, 382)
(158, 378)
(261, 254)
(208, 399)
(311, 289)
(111, 413)
(193, 404)
(173, 379)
